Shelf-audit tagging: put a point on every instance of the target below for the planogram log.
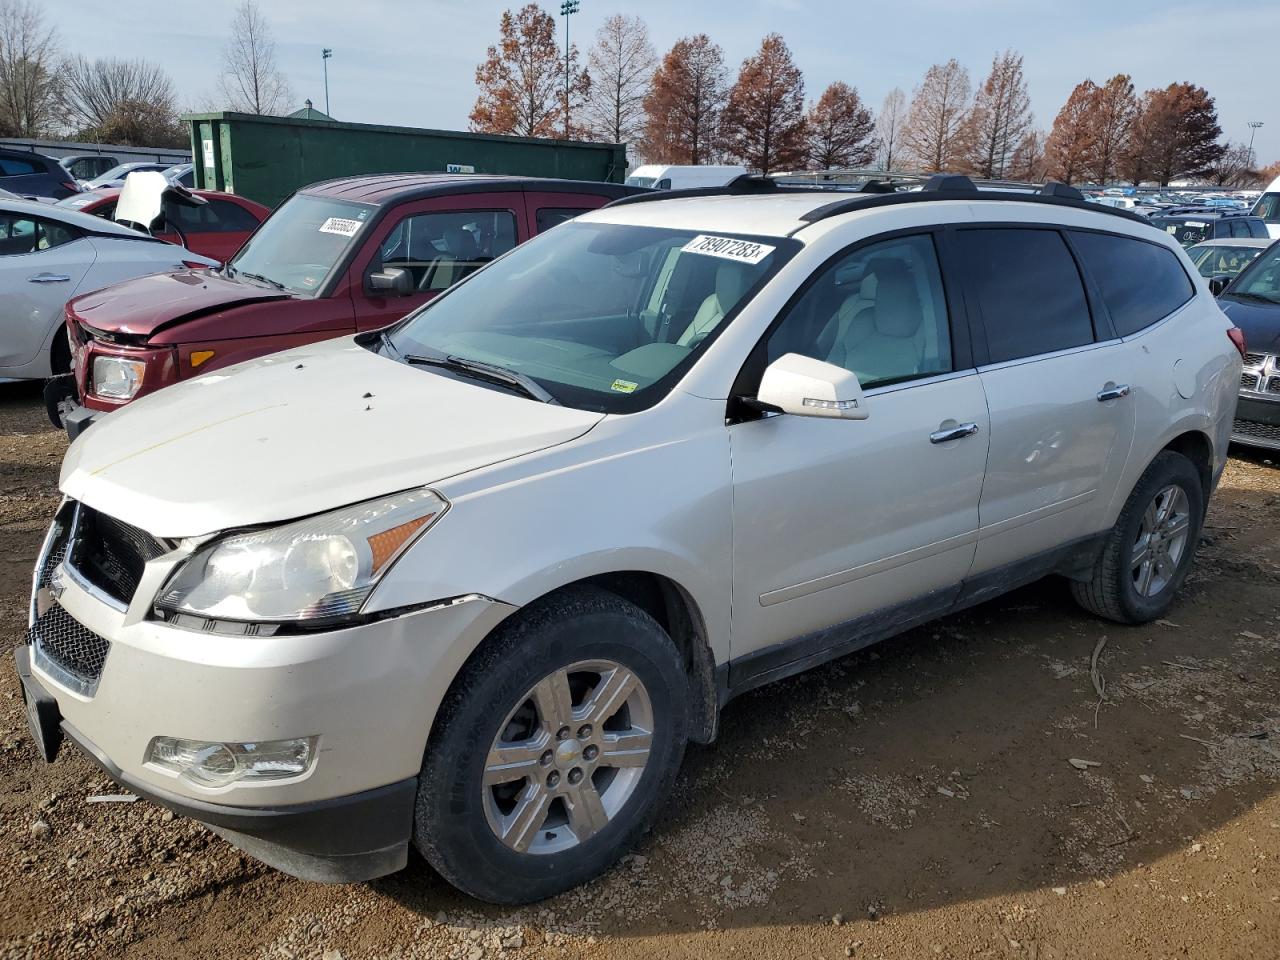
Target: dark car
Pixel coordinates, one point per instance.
(339, 257)
(1252, 302)
(35, 175)
(86, 166)
(1192, 225)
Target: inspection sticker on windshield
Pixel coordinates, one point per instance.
(623, 386)
(342, 227)
(743, 251)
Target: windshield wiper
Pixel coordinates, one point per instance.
(486, 371)
(257, 276)
(1261, 298)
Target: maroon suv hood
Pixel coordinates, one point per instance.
(142, 306)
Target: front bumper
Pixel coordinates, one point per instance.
(1257, 423)
(63, 406)
(369, 692)
(340, 840)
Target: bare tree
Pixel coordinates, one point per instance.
(28, 70)
(936, 134)
(1235, 168)
(1028, 162)
(889, 124)
(251, 82)
(621, 66)
(1000, 118)
(133, 96)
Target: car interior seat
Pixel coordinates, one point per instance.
(730, 284)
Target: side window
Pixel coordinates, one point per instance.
(439, 249)
(548, 217)
(878, 312)
(1029, 291)
(13, 167)
(19, 235)
(1139, 282)
(1258, 229)
(1268, 208)
(227, 217)
(1239, 227)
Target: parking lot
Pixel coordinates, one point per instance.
(914, 800)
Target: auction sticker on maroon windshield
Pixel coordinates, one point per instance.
(341, 226)
(743, 251)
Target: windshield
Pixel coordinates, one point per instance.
(1186, 232)
(603, 316)
(1262, 278)
(641, 181)
(298, 245)
(1215, 259)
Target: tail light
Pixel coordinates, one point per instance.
(73, 187)
(1236, 336)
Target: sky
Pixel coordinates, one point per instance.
(412, 62)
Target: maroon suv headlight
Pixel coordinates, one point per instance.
(116, 378)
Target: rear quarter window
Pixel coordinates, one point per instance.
(1140, 283)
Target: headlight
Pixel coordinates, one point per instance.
(319, 568)
(117, 377)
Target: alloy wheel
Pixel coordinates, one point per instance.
(568, 757)
(1162, 541)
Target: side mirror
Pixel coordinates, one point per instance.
(806, 387)
(391, 282)
(1218, 282)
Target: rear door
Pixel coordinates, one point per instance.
(548, 209)
(1057, 385)
(439, 241)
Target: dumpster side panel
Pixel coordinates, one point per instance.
(267, 158)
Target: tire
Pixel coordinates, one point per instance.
(1119, 587)
(469, 798)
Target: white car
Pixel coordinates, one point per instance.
(472, 583)
(49, 254)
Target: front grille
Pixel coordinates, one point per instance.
(1274, 385)
(111, 554)
(75, 649)
(1248, 381)
(1254, 359)
(1253, 430)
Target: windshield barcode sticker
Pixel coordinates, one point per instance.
(743, 251)
(340, 226)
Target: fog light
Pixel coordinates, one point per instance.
(117, 377)
(217, 764)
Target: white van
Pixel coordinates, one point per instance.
(662, 177)
(1267, 207)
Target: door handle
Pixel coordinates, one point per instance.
(1113, 392)
(958, 432)
(48, 278)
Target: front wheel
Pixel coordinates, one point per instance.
(553, 749)
(1148, 553)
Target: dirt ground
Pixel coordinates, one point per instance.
(911, 801)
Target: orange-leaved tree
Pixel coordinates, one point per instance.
(764, 124)
(1070, 144)
(682, 110)
(841, 130)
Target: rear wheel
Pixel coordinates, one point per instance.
(1149, 551)
(553, 750)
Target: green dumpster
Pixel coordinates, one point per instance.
(267, 158)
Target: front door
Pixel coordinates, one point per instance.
(870, 521)
(42, 263)
(439, 241)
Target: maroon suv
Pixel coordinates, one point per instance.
(336, 258)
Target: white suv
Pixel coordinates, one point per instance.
(473, 582)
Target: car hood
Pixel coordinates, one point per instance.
(297, 433)
(142, 306)
(1259, 321)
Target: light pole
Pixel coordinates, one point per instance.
(567, 9)
(1253, 128)
(325, 54)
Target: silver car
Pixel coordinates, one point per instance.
(472, 583)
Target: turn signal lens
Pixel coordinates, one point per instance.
(200, 356)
